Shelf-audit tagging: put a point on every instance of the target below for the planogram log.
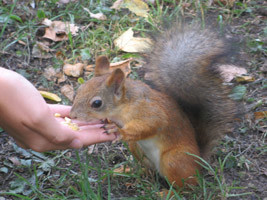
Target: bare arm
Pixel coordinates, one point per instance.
(30, 121)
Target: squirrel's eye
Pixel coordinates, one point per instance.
(96, 102)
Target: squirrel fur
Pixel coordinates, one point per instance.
(182, 108)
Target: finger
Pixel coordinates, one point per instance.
(89, 137)
(94, 127)
(82, 123)
(63, 110)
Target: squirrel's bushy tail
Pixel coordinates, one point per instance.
(184, 64)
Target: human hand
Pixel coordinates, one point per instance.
(31, 122)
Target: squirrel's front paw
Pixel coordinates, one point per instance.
(110, 128)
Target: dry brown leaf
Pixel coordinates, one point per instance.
(260, 115)
(21, 42)
(89, 68)
(67, 91)
(123, 65)
(50, 73)
(90, 149)
(138, 7)
(244, 79)
(58, 30)
(99, 16)
(122, 169)
(61, 77)
(128, 43)
(41, 50)
(229, 72)
(75, 70)
(14, 160)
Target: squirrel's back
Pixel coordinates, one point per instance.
(184, 65)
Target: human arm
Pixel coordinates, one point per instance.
(30, 121)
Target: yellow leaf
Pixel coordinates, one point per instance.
(128, 43)
(138, 7)
(244, 79)
(51, 96)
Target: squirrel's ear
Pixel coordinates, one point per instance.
(116, 81)
(101, 66)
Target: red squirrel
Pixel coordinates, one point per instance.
(182, 108)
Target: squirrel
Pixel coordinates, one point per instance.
(182, 107)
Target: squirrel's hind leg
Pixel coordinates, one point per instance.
(179, 167)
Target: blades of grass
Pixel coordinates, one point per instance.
(239, 195)
(211, 170)
(109, 188)
(87, 190)
(10, 13)
(34, 189)
(22, 197)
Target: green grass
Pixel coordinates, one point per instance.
(83, 176)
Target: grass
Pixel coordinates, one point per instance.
(77, 174)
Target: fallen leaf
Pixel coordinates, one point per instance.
(122, 169)
(50, 73)
(244, 79)
(128, 43)
(90, 149)
(138, 7)
(89, 68)
(40, 50)
(99, 16)
(123, 65)
(61, 77)
(51, 96)
(67, 91)
(75, 70)
(58, 30)
(14, 160)
(21, 42)
(260, 115)
(3, 170)
(229, 72)
(117, 4)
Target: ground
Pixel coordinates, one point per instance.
(238, 169)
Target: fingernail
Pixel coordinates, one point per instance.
(76, 144)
